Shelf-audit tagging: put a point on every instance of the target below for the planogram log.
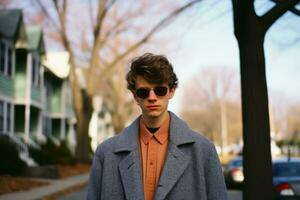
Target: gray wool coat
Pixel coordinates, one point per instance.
(191, 171)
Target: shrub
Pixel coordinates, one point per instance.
(10, 160)
(43, 156)
(51, 154)
(64, 155)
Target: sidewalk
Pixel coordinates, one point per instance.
(53, 187)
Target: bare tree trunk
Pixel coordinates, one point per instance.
(118, 123)
(255, 112)
(250, 31)
(83, 116)
(256, 130)
(224, 132)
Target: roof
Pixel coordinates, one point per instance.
(58, 63)
(12, 26)
(35, 38)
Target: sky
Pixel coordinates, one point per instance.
(204, 38)
(209, 41)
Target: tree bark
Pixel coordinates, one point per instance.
(256, 129)
(255, 112)
(250, 31)
(83, 116)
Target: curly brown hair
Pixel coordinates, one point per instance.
(153, 68)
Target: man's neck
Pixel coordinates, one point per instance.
(155, 122)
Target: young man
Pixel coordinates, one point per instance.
(158, 156)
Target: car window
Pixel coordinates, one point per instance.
(237, 163)
(286, 169)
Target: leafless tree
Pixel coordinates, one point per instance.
(211, 104)
(293, 119)
(100, 36)
(250, 30)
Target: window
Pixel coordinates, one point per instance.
(8, 117)
(287, 169)
(33, 70)
(6, 59)
(2, 57)
(9, 62)
(48, 93)
(35, 78)
(1, 116)
(47, 126)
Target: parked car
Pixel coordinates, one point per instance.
(233, 173)
(286, 176)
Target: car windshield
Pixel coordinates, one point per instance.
(287, 169)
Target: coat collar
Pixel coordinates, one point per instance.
(128, 139)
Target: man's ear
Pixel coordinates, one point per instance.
(171, 92)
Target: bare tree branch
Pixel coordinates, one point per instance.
(114, 30)
(61, 16)
(277, 11)
(102, 11)
(91, 14)
(159, 25)
(120, 26)
(293, 10)
(98, 50)
(103, 8)
(45, 11)
(74, 82)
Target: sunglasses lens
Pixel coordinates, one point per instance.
(161, 91)
(142, 93)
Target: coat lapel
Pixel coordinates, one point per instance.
(177, 161)
(129, 166)
(130, 171)
(175, 165)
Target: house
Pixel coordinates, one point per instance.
(12, 36)
(35, 96)
(100, 127)
(58, 115)
(28, 87)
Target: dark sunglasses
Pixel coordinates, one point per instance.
(143, 93)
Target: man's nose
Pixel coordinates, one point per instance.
(152, 95)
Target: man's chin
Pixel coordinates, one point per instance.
(153, 114)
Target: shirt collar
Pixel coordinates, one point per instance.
(161, 135)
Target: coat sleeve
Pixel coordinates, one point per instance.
(215, 184)
(95, 180)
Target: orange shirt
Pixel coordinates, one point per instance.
(153, 148)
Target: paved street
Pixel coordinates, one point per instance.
(232, 195)
(80, 195)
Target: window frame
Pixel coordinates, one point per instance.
(7, 64)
